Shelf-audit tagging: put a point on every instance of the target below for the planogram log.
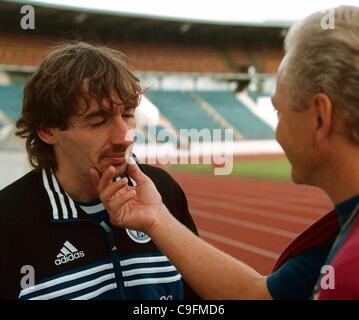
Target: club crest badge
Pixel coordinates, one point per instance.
(138, 236)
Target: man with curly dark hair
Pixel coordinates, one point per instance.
(78, 113)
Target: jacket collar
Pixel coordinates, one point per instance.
(63, 207)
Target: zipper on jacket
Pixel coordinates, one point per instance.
(116, 263)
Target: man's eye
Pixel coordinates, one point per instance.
(128, 115)
(98, 123)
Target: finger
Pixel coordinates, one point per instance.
(113, 188)
(95, 177)
(117, 217)
(134, 171)
(123, 191)
(106, 178)
(120, 199)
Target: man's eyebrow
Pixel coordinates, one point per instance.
(95, 114)
(103, 113)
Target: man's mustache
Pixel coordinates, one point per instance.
(119, 148)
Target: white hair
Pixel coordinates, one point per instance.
(326, 60)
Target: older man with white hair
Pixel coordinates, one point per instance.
(317, 100)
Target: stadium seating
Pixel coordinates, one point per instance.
(155, 133)
(150, 56)
(249, 125)
(174, 58)
(11, 100)
(181, 110)
(144, 56)
(265, 61)
(268, 60)
(12, 49)
(255, 95)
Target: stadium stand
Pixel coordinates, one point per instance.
(146, 57)
(255, 95)
(12, 49)
(11, 100)
(158, 49)
(181, 110)
(150, 56)
(264, 60)
(174, 58)
(160, 134)
(268, 60)
(243, 120)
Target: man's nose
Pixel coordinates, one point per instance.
(120, 132)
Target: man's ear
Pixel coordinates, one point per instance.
(323, 110)
(47, 135)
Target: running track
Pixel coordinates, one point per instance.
(252, 220)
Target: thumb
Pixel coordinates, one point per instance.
(135, 172)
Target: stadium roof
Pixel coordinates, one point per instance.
(274, 13)
(196, 12)
(65, 20)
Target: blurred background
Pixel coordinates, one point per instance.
(204, 66)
